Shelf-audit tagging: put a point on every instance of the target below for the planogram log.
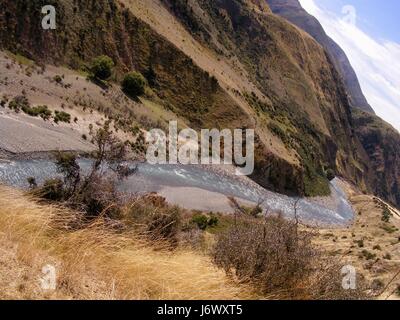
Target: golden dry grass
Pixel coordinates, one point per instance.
(95, 262)
(368, 234)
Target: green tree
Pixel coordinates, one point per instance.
(102, 67)
(134, 84)
(330, 174)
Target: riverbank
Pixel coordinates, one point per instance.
(199, 188)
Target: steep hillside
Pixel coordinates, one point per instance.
(302, 100)
(382, 143)
(293, 12)
(86, 29)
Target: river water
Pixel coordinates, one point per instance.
(332, 211)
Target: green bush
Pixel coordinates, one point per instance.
(32, 182)
(134, 84)
(330, 174)
(201, 221)
(386, 214)
(101, 67)
(368, 255)
(58, 79)
(213, 221)
(61, 116)
(152, 217)
(41, 111)
(18, 103)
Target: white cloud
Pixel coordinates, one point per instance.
(376, 62)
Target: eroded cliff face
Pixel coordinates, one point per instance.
(293, 12)
(302, 101)
(382, 144)
(276, 78)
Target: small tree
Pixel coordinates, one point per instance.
(134, 84)
(67, 166)
(102, 67)
(330, 174)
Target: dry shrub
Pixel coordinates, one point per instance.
(96, 261)
(279, 260)
(325, 283)
(152, 217)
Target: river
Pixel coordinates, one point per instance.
(330, 211)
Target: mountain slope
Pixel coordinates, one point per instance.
(302, 101)
(293, 12)
(223, 64)
(382, 143)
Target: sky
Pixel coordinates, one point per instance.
(369, 32)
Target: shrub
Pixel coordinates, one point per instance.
(134, 84)
(152, 217)
(151, 76)
(62, 116)
(3, 101)
(279, 260)
(58, 79)
(201, 221)
(387, 256)
(377, 247)
(386, 215)
(360, 243)
(67, 166)
(52, 190)
(101, 67)
(18, 103)
(274, 256)
(32, 182)
(41, 111)
(377, 285)
(368, 255)
(93, 194)
(213, 221)
(330, 174)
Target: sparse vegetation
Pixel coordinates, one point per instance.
(330, 174)
(58, 79)
(62, 116)
(368, 255)
(18, 103)
(41, 111)
(386, 214)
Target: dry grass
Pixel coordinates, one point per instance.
(367, 242)
(95, 262)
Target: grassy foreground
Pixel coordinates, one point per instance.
(96, 262)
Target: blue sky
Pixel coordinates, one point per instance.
(369, 33)
(379, 18)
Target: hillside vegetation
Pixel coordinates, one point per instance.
(223, 64)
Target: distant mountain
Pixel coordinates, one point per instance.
(293, 12)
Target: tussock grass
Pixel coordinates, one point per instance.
(97, 261)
